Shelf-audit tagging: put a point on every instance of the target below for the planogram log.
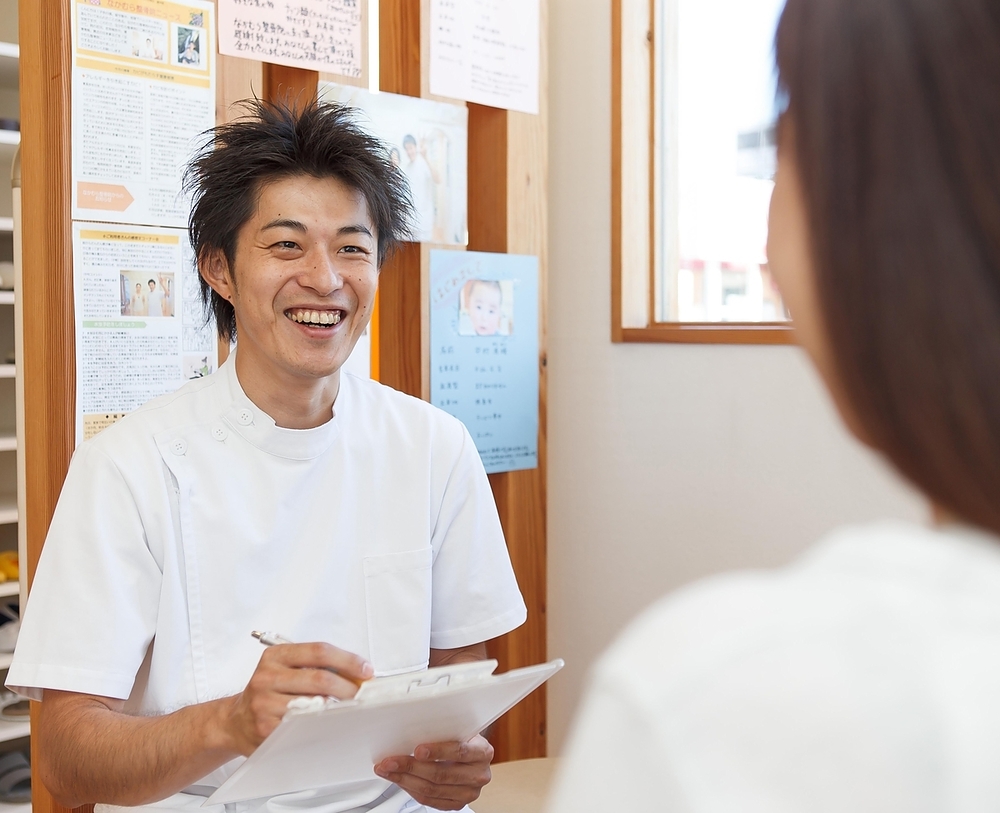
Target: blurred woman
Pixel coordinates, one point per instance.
(866, 676)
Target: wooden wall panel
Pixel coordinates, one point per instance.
(235, 80)
(400, 328)
(294, 86)
(403, 285)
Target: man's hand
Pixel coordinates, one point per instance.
(287, 671)
(446, 775)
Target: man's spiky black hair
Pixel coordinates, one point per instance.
(273, 141)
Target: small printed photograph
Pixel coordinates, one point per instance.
(486, 308)
(197, 365)
(147, 46)
(147, 294)
(189, 42)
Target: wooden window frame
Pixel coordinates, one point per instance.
(633, 199)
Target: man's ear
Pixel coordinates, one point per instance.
(214, 269)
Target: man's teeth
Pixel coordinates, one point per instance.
(315, 317)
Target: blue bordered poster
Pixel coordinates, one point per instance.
(484, 351)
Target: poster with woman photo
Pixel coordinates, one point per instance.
(429, 141)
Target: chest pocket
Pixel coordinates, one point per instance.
(398, 601)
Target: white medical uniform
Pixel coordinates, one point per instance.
(196, 519)
(864, 678)
(155, 300)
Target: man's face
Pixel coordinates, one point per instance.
(152, 285)
(484, 309)
(411, 149)
(303, 279)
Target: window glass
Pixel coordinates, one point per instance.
(714, 134)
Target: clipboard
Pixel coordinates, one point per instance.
(339, 744)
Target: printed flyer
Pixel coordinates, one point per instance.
(143, 93)
(141, 329)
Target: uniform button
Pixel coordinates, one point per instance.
(178, 446)
(219, 432)
(245, 417)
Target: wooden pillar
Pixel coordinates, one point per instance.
(47, 350)
(507, 213)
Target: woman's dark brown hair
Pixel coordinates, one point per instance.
(895, 108)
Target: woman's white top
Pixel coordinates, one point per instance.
(863, 678)
(196, 520)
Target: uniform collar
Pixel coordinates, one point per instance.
(258, 428)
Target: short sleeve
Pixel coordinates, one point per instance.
(91, 611)
(751, 695)
(475, 593)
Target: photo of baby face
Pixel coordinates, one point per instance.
(486, 308)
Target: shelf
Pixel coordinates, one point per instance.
(9, 58)
(8, 512)
(6, 297)
(7, 224)
(8, 443)
(10, 138)
(8, 371)
(10, 588)
(13, 731)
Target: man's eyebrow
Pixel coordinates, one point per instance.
(285, 223)
(296, 225)
(357, 228)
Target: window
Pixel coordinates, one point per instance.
(694, 152)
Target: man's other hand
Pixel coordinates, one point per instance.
(445, 775)
(287, 671)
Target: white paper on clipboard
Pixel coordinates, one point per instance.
(340, 745)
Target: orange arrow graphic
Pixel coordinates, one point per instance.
(102, 196)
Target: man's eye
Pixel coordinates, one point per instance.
(289, 245)
(353, 249)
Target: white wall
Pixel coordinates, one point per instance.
(666, 463)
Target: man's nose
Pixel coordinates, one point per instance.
(322, 274)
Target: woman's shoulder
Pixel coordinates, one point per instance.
(868, 597)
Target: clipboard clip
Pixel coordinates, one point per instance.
(431, 681)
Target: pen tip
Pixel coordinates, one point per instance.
(256, 634)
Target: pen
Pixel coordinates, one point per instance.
(269, 638)
(273, 639)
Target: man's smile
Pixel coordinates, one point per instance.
(314, 318)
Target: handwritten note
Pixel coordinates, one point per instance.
(319, 35)
(486, 51)
(484, 351)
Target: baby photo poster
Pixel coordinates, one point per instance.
(484, 351)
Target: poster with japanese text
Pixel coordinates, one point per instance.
(141, 329)
(318, 35)
(428, 141)
(484, 351)
(143, 92)
(486, 51)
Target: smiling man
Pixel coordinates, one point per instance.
(277, 494)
